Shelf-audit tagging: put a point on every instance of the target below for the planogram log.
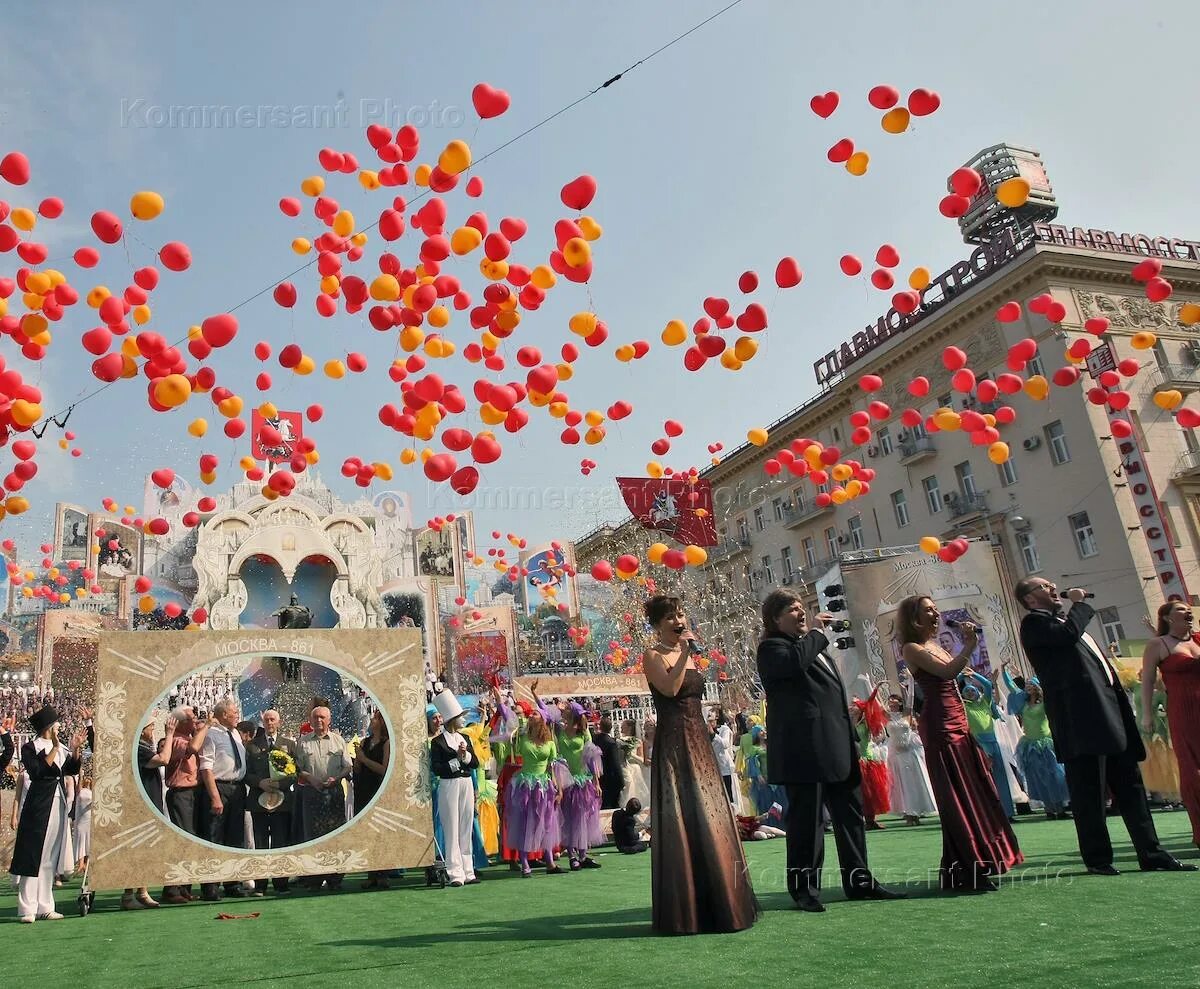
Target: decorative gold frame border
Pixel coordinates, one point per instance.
(133, 845)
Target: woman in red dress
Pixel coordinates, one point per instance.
(977, 841)
(1176, 654)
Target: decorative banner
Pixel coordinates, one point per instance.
(550, 579)
(289, 426)
(602, 685)
(71, 534)
(133, 845)
(667, 505)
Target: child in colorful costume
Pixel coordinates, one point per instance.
(532, 813)
(1045, 779)
(978, 695)
(870, 723)
(578, 777)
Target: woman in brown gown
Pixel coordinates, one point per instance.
(977, 841)
(699, 882)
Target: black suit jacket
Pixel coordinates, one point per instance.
(7, 752)
(258, 768)
(441, 755)
(1088, 715)
(809, 735)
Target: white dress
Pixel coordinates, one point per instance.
(911, 792)
(83, 824)
(637, 780)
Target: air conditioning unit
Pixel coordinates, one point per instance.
(1192, 351)
(950, 499)
(842, 539)
(787, 578)
(1031, 442)
(872, 451)
(902, 436)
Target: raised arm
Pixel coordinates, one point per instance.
(784, 659)
(917, 655)
(663, 678)
(1047, 634)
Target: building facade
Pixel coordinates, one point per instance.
(1073, 503)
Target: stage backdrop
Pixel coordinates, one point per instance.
(132, 845)
(970, 589)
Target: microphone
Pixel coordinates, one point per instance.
(1065, 596)
(694, 647)
(953, 623)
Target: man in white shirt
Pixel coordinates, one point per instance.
(322, 762)
(222, 767)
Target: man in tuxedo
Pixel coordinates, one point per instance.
(1095, 733)
(270, 801)
(813, 752)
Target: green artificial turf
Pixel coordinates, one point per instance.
(1050, 925)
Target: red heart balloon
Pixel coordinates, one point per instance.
(788, 273)
(923, 102)
(578, 193)
(823, 106)
(488, 101)
(841, 151)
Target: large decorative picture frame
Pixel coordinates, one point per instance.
(133, 845)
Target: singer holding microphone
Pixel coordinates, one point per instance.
(699, 881)
(977, 842)
(812, 750)
(1096, 735)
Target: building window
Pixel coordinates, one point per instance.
(1110, 621)
(743, 529)
(966, 479)
(777, 508)
(1085, 536)
(1168, 517)
(798, 500)
(1035, 365)
(1029, 554)
(1008, 472)
(1056, 439)
(760, 521)
(768, 573)
(856, 533)
(837, 435)
(831, 542)
(900, 507)
(933, 495)
(918, 432)
(749, 575)
(810, 551)
(785, 557)
(884, 439)
(946, 401)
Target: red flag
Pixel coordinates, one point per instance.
(278, 443)
(675, 506)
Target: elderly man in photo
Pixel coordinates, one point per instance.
(323, 761)
(222, 779)
(269, 799)
(182, 744)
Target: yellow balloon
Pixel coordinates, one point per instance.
(594, 435)
(1037, 387)
(1143, 340)
(583, 324)
(858, 162)
(368, 179)
(268, 411)
(558, 410)
(25, 413)
(1013, 192)
(301, 245)
(314, 185)
(495, 271)
(895, 121)
(408, 456)
(930, 544)
(230, 407)
(411, 337)
(695, 555)
(385, 288)
(173, 390)
(1168, 399)
(438, 317)
(594, 417)
(998, 452)
(145, 205)
(1189, 314)
(343, 223)
(335, 369)
(654, 469)
(655, 553)
(141, 315)
(842, 472)
(97, 295)
(306, 366)
(838, 496)
(576, 252)
(947, 419)
(464, 240)
(590, 229)
(247, 463)
(421, 175)
(455, 158)
(38, 283)
(729, 361)
(919, 279)
(854, 488)
(146, 604)
(745, 348)
(23, 219)
(491, 415)
(758, 437)
(625, 353)
(565, 372)
(674, 333)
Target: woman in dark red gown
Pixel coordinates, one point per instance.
(977, 841)
(699, 881)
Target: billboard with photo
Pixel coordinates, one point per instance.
(549, 578)
(970, 589)
(436, 557)
(115, 551)
(71, 533)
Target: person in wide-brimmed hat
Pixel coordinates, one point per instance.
(454, 761)
(43, 825)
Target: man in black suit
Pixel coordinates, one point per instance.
(612, 774)
(812, 751)
(1095, 733)
(270, 801)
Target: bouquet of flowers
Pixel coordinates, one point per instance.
(282, 765)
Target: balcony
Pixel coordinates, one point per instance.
(1181, 377)
(809, 573)
(728, 549)
(962, 506)
(914, 451)
(1188, 465)
(794, 518)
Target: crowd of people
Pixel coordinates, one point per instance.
(530, 783)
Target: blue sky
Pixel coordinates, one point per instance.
(708, 160)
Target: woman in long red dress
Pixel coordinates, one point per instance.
(977, 841)
(1176, 654)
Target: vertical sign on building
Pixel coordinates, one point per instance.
(1141, 487)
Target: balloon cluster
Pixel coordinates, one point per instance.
(895, 120)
